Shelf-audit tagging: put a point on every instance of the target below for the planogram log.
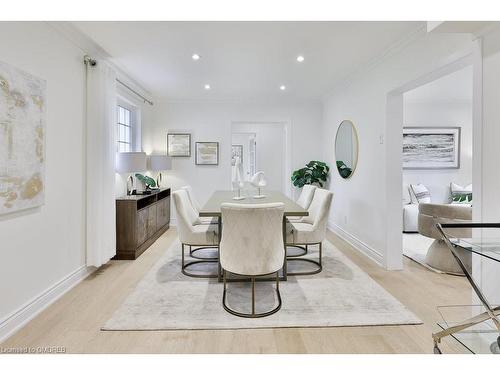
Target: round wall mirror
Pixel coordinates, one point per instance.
(346, 149)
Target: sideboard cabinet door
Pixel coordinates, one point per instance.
(162, 211)
(142, 225)
(152, 210)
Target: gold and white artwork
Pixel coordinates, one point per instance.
(22, 139)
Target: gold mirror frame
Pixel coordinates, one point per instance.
(356, 140)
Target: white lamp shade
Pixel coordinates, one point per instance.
(159, 163)
(127, 162)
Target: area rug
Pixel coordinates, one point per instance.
(341, 295)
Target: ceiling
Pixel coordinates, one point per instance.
(243, 60)
(452, 88)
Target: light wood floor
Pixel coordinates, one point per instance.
(74, 321)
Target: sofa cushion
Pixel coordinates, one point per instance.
(420, 194)
(461, 194)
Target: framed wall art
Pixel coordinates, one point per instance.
(178, 144)
(207, 153)
(22, 139)
(236, 152)
(431, 147)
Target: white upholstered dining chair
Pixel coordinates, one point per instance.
(252, 246)
(195, 252)
(196, 206)
(192, 232)
(311, 230)
(304, 200)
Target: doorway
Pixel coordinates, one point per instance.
(393, 259)
(437, 152)
(261, 146)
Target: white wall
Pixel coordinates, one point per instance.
(211, 121)
(39, 247)
(440, 115)
(360, 205)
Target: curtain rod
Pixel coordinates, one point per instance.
(89, 61)
(135, 92)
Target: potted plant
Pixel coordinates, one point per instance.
(315, 172)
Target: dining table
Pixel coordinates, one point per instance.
(212, 208)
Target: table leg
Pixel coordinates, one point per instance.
(285, 275)
(219, 268)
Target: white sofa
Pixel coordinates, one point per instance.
(440, 194)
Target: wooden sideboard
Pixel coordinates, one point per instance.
(140, 220)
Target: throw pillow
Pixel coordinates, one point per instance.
(461, 194)
(421, 193)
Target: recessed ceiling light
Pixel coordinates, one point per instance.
(207, 86)
(282, 87)
(300, 58)
(195, 57)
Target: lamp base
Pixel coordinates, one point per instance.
(259, 196)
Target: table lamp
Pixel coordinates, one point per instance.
(129, 162)
(159, 163)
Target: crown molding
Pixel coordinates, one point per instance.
(236, 101)
(376, 61)
(91, 48)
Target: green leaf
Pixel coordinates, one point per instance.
(313, 173)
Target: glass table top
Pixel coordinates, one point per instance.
(486, 247)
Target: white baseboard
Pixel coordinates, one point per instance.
(359, 245)
(13, 323)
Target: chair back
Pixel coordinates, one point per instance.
(186, 215)
(319, 210)
(252, 238)
(306, 196)
(196, 205)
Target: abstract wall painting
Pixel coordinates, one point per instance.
(236, 152)
(22, 139)
(431, 148)
(207, 153)
(178, 145)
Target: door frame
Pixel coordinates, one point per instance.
(393, 259)
(287, 149)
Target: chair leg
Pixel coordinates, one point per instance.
(253, 314)
(321, 254)
(185, 265)
(300, 254)
(253, 295)
(318, 263)
(193, 253)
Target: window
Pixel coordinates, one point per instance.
(124, 131)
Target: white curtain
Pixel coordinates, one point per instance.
(101, 150)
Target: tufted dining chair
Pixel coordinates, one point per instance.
(304, 200)
(196, 206)
(252, 246)
(192, 232)
(195, 252)
(311, 230)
